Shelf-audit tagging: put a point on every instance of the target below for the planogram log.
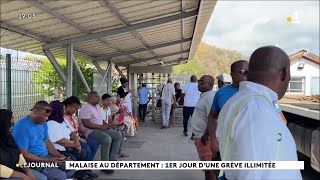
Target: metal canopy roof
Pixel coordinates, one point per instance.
(136, 32)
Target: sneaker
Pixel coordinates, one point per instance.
(192, 137)
(163, 127)
(108, 171)
(185, 133)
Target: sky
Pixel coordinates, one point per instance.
(247, 25)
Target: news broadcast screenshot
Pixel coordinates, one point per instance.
(159, 90)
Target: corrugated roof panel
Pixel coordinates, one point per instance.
(124, 41)
(138, 7)
(122, 59)
(63, 4)
(13, 6)
(76, 7)
(161, 39)
(19, 43)
(148, 15)
(92, 16)
(126, 4)
(160, 29)
(168, 49)
(87, 13)
(142, 55)
(191, 4)
(7, 35)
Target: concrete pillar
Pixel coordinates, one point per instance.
(69, 70)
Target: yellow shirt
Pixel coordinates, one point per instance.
(6, 172)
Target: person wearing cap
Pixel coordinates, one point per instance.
(224, 79)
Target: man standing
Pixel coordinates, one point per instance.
(31, 136)
(191, 96)
(257, 131)
(110, 140)
(144, 96)
(239, 70)
(167, 95)
(224, 79)
(200, 121)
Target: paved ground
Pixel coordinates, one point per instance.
(152, 143)
(303, 104)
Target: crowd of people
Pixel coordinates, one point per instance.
(65, 131)
(239, 122)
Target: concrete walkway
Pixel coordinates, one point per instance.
(153, 144)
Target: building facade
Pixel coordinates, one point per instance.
(304, 67)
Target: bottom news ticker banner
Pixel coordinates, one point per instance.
(182, 165)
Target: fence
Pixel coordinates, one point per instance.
(26, 89)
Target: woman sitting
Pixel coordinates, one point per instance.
(90, 145)
(120, 114)
(10, 154)
(60, 130)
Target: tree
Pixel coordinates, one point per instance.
(209, 60)
(190, 68)
(53, 84)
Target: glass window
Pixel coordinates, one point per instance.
(296, 85)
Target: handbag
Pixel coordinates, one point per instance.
(234, 114)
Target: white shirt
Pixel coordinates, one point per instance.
(201, 113)
(254, 134)
(105, 114)
(192, 94)
(168, 91)
(59, 131)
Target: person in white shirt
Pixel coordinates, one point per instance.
(191, 96)
(257, 132)
(60, 133)
(106, 116)
(167, 96)
(200, 121)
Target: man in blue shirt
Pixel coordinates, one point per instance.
(239, 70)
(144, 96)
(31, 136)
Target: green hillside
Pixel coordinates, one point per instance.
(209, 60)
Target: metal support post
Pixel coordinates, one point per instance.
(109, 78)
(55, 64)
(8, 76)
(69, 70)
(77, 67)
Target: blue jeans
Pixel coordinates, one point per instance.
(38, 174)
(91, 148)
(57, 173)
